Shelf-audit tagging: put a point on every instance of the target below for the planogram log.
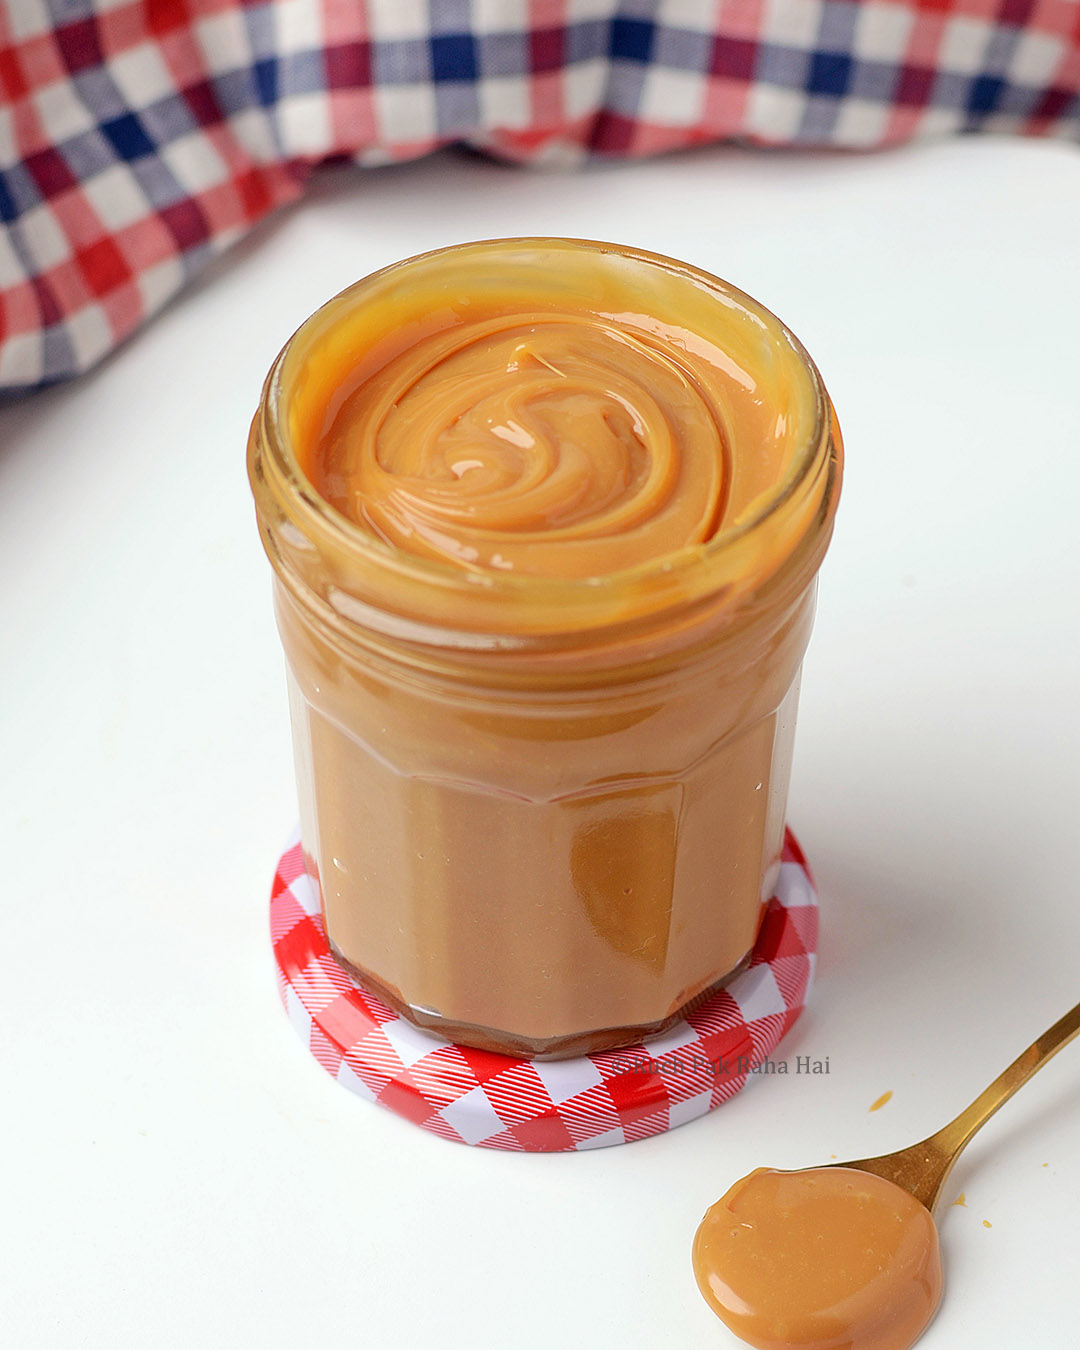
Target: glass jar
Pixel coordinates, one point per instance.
(546, 812)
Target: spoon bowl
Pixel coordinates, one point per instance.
(825, 1259)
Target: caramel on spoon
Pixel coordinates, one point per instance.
(845, 1257)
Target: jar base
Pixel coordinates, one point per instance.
(496, 1041)
(470, 1094)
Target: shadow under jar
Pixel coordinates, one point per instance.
(545, 518)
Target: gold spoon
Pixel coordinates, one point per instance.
(817, 1258)
(922, 1169)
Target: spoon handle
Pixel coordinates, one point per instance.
(956, 1134)
(923, 1169)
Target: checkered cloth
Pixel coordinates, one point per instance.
(501, 1101)
(139, 138)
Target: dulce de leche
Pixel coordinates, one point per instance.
(830, 1258)
(545, 518)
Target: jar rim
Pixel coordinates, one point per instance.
(570, 603)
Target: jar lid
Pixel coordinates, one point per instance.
(546, 1106)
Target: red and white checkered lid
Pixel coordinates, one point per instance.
(501, 1101)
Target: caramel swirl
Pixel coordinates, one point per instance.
(550, 409)
(542, 443)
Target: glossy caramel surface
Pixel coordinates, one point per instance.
(546, 442)
(559, 414)
(829, 1258)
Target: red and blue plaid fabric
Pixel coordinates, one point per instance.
(139, 138)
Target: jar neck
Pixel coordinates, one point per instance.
(728, 629)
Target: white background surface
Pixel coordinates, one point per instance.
(176, 1170)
